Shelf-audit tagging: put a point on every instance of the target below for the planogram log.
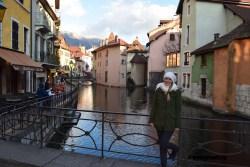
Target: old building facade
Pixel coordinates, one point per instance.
(64, 55)
(227, 71)
(163, 50)
(196, 32)
(45, 30)
(137, 63)
(110, 62)
(16, 65)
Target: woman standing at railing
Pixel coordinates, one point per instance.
(165, 115)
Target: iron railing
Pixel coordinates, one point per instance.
(58, 100)
(206, 142)
(202, 141)
(36, 124)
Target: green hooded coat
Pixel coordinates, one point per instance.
(165, 113)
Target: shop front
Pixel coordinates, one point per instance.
(15, 68)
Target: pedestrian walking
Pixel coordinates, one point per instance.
(165, 115)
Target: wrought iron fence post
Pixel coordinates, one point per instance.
(102, 135)
(21, 119)
(3, 127)
(13, 120)
(41, 127)
(179, 152)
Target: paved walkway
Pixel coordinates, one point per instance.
(19, 155)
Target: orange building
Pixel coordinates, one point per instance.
(231, 62)
(231, 90)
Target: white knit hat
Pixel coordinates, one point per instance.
(170, 75)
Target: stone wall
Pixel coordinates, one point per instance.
(196, 94)
(243, 99)
(196, 88)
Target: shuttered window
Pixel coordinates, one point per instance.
(15, 28)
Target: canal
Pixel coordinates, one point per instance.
(217, 143)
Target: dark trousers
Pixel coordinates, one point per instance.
(164, 137)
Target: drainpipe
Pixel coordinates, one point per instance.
(31, 45)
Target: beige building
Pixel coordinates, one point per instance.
(76, 54)
(64, 53)
(137, 63)
(163, 49)
(110, 62)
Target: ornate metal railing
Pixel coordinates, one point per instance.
(203, 141)
(57, 100)
(214, 142)
(36, 124)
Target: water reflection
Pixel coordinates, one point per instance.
(113, 99)
(86, 100)
(116, 100)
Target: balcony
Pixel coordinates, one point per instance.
(42, 56)
(42, 24)
(52, 36)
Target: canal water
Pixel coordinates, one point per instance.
(217, 143)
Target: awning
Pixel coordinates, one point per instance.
(19, 61)
(50, 66)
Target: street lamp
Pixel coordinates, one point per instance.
(2, 10)
(71, 66)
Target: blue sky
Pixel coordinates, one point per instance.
(126, 18)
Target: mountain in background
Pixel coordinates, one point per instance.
(74, 40)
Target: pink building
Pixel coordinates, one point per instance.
(77, 54)
(163, 47)
(110, 62)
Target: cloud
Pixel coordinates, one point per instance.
(72, 8)
(130, 18)
(72, 12)
(126, 18)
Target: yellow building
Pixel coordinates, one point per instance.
(18, 11)
(15, 64)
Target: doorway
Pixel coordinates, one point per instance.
(203, 87)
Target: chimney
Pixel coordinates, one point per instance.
(216, 36)
(116, 37)
(57, 4)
